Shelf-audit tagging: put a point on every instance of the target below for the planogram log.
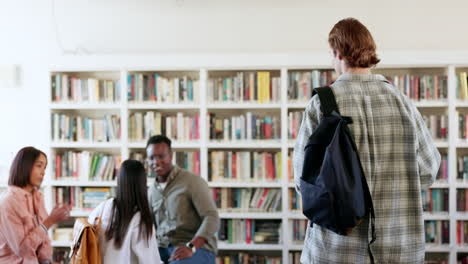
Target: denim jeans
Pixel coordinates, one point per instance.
(202, 256)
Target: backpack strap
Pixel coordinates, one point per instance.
(327, 100)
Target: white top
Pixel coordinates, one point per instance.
(133, 250)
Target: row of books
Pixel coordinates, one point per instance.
(85, 166)
(249, 231)
(258, 87)
(77, 128)
(67, 88)
(294, 123)
(294, 257)
(437, 231)
(295, 202)
(462, 232)
(141, 126)
(301, 83)
(423, 87)
(462, 200)
(246, 258)
(442, 174)
(435, 200)
(462, 258)
(463, 126)
(298, 229)
(290, 167)
(462, 166)
(244, 166)
(86, 198)
(156, 88)
(436, 258)
(244, 127)
(437, 125)
(247, 199)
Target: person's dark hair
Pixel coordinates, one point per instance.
(159, 139)
(20, 171)
(354, 43)
(131, 197)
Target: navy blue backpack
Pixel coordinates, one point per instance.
(333, 187)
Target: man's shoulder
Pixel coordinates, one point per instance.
(190, 177)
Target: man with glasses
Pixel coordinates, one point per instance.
(185, 214)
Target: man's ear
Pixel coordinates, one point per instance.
(338, 55)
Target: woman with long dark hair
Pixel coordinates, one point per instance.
(23, 218)
(127, 231)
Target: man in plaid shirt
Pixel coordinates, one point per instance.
(397, 153)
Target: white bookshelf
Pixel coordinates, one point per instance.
(278, 64)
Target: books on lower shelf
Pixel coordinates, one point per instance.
(152, 87)
(462, 258)
(176, 126)
(437, 125)
(247, 199)
(249, 231)
(300, 83)
(442, 174)
(294, 257)
(72, 128)
(258, 87)
(462, 168)
(85, 166)
(244, 127)
(298, 229)
(435, 200)
(246, 258)
(436, 258)
(437, 231)
(290, 167)
(295, 202)
(462, 233)
(294, 123)
(82, 198)
(68, 88)
(462, 200)
(244, 166)
(463, 126)
(422, 87)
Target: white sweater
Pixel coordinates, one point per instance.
(133, 250)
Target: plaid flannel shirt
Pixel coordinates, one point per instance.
(399, 158)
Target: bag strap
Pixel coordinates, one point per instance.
(329, 107)
(327, 100)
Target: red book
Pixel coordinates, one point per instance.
(262, 199)
(234, 165)
(151, 85)
(248, 226)
(58, 167)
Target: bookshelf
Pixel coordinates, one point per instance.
(202, 103)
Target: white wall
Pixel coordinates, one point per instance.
(38, 33)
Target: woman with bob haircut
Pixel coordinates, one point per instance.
(397, 154)
(23, 218)
(127, 231)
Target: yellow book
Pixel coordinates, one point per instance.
(279, 168)
(463, 86)
(266, 87)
